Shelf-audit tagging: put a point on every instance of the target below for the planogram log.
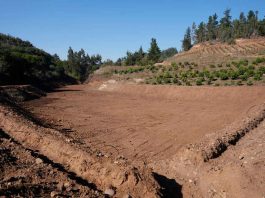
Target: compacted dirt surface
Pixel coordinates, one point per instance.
(145, 123)
(140, 141)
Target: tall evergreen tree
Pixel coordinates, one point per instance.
(201, 33)
(154, 52)
(193, 33)
(252, 23)
(226, 31)
(186, 43)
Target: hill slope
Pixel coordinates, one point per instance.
(21, 63)
(215, 52)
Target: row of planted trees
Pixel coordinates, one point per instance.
(225, 29)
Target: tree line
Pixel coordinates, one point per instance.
(141, 58)
(79, 64)
(225, 29)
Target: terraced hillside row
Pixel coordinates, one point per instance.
(215, 53)
(243, 72)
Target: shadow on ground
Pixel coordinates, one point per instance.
(170, 188)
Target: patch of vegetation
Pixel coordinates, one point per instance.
(237, 73)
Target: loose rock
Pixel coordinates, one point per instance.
(109, 192)
(39, 161)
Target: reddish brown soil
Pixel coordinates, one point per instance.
(171, 129)
(146, 123)
(25, 174)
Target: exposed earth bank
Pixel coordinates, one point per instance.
(141, 140)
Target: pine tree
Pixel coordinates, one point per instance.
(193, 33)
(154, 51)
(139, 56)
(186, 43)
(226, 31)
(252, 23)
(201, 33)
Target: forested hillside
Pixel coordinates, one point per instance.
(22, 63)
(225, 29)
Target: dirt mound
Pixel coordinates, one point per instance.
(121, 177)
(214, 53)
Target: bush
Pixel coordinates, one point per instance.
(244, 77)
(234, 75)
(259, 60)
(249, 83)
(199, 82)
(223, 75)
(257, 76)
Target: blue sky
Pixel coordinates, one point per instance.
(110, 27)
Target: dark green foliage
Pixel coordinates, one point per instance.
(79, 64)
(226, 30)
(186, 43)
(141, 58)
(168, 53)
(154, 52)
(21, 62)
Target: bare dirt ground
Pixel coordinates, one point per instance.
(26, 174)
(145, 122)
(134, 141)
(151, 125)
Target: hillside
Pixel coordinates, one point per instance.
(215, 52)
(216, 64)
(23, 63)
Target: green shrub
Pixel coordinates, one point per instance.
(234, 75)
(259, 60)
(223, 75)
(257, 76)
(199, 81)
(174, 80)
(249, 83)
(244, 77)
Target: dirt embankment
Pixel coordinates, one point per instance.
(199, 137)
(120, 177)
(25, 173)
